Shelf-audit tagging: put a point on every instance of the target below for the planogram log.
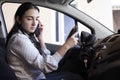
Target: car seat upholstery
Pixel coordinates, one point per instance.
(6, 73)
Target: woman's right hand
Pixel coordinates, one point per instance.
(40, 36)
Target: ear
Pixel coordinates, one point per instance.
(18, 20)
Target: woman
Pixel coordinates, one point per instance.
(27, 57)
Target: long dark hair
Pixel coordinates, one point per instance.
(19, 13)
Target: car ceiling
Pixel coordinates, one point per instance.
(58, 1)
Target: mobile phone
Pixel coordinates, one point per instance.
(37, 31)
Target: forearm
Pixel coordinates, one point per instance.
(42, 44)
(63, 49)
(71, 42)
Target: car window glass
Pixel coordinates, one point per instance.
(97, 10)
(57, 25)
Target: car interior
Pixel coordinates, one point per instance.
(94, 29)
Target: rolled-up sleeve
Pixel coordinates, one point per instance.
(51, 62)
(24, 49)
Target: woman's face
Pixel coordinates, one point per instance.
(30, 20)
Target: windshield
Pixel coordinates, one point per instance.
(102, 12)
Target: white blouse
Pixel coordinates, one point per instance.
(25, 59)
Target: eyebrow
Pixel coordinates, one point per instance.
(32, 16)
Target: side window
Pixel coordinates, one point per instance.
(82, 27)
(57, 26)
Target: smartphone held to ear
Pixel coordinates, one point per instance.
(37, 31)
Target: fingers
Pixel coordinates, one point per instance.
(75, 38)
(40, 24)
(74, 35)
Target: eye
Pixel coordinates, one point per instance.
(37, 19)
(29, 18)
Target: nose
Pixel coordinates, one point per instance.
(34, 22)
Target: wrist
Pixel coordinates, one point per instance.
(66, 46)
(40, 39)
